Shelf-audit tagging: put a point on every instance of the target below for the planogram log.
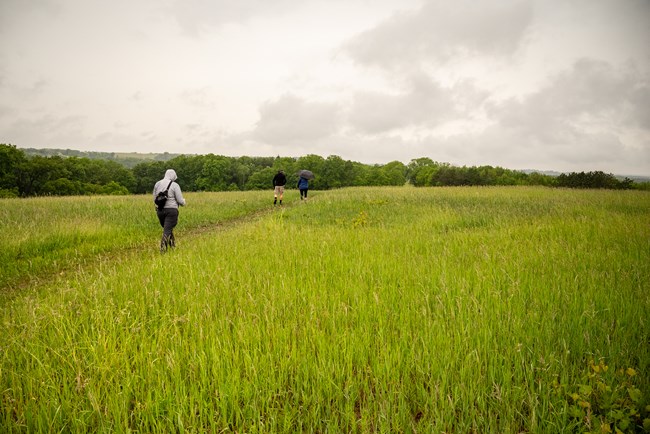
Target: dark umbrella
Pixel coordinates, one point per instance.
(307, 174)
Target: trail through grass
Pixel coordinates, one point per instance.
(45, 235)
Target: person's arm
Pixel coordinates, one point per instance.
(180, 200)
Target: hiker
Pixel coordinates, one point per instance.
(168, 213)
(279, 181)
(303, 186)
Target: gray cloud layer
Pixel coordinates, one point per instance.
(543, 84)
(442, 30)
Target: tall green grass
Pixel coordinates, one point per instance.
(42, 235)
(360, 310)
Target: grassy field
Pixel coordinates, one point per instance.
(361, 310)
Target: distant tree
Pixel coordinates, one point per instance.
(332, 173)
(11, 160)
(113, 188)
(37, 171)
(536, 178)
(414, 169)
(376, 176)
(358, 173)
(63, 187)
(394, 173)
(262, 179)
(188, 169)
(147, 174)
(216, 174)
(595, 179)
(626, 184)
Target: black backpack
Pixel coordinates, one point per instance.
(161, 198)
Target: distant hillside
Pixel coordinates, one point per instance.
(127, 159)
(543, 172)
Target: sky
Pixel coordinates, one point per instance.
(559, 85)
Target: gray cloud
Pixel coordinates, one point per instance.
(441, 30)
(291, 119)
(10, 10)
(424, 102)
(580, 118)
(492, 82)
(61, 131)
(591, 95)
(200, 98)
(196, 16)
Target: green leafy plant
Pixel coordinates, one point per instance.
(607, 402)
(360, 220)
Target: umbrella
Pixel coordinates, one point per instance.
(307, 174)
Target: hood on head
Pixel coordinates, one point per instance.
(171, 175)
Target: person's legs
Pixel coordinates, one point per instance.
(161, 217)
(170, 222)
(276, 192)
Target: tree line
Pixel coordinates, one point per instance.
(24, 176)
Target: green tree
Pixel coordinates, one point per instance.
(147, 174)
(216, 174)
(262, 179)
(11, 159)
(332, 173)
(113, 188)
(63, 187)
(394, 173)
(37, 171)
(188, 169)
(415, 167)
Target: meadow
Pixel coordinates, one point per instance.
(401, 309)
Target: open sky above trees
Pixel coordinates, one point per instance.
(524, 84)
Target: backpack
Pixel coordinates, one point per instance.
(161, 198)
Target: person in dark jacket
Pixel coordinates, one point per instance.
(168, 214)
(279, 181)
(303, 186)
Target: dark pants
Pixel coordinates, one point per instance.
(303, 193)
(168, 218)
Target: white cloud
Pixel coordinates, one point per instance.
(593, 95)
(423, 103)
(442, 30)
(291, 120)
(198, 16)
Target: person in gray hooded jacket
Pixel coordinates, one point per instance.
(168, 215)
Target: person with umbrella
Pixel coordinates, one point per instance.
(279, 181)
(303, 182)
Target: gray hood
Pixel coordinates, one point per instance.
(171, 175)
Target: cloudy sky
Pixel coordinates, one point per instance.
(545, 84)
